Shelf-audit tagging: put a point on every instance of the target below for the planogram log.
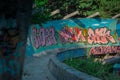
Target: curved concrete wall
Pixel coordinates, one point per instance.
(71, 53)
(73, 32)
(63, 72)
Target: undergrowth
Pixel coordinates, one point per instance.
(90, 67)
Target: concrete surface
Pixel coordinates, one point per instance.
(64, 72)
(36, 68)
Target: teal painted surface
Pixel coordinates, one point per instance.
(73, 53)
(10, 64)
(48, 35)
(116, 69)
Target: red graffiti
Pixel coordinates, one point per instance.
(119, 39)
(100, 36)
(71, 35)
(97, 36)
(43, 37)
(104, 50)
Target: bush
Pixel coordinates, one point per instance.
(90, 67)
(40, 3)
(107, 8)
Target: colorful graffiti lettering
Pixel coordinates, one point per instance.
(104, 50)
(100, 36)
(97, 36)
(43, 37)
(71, 35)
(86, 33)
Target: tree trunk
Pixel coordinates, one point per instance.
(11, 65)
(23, 22)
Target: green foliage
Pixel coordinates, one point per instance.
(40, 18)
(107, 8)
(40, 3)
(88, 65)
(87, 7)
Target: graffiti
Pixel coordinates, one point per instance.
(104, 50)
(10, 66)
(71, 35)
(97, 36)
(43, 37)
(100, 36)
(119, 39)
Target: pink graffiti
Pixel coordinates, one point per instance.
(100, 36)
(104, 50)
(97, 36)
(43, 37)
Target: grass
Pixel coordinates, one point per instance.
(90, 67)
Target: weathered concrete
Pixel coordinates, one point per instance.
(114, 59)
(35, 68)
(63, 72)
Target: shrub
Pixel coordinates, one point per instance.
(90, 67)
